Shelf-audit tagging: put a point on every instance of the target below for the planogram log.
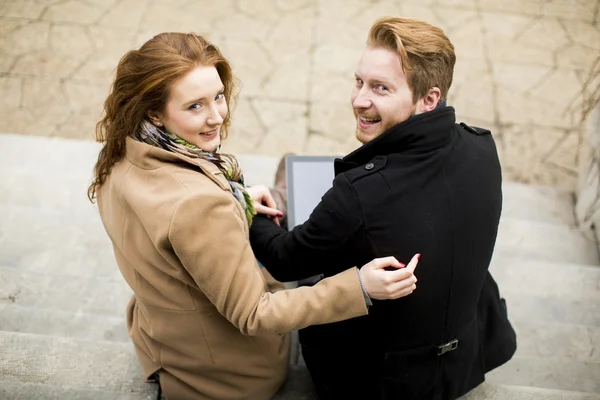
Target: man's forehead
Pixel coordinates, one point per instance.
(379, 63)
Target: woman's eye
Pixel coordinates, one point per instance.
(359, 82)
(195, 106)
(220, 96)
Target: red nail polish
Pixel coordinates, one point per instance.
(419, 256)
(280, 214)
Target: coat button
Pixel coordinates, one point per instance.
(369, 166)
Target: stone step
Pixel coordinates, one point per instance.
(553, 292)
(16, 318)
(47, 155)
(550, 373)
(541, 340)
(49, 169)
(552, 309)
(63, 293)
(487, 391)
(542, 278)
(543, 330)
(80, 261)
(534, 240)
(30, 187)
(70, 364)
(491, 391)
(563, 295)
(538, 203)
(299, 387)
(11, 390)
(53, 240)
(76, 157)
(35, 366)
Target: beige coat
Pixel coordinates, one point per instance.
(202, 311)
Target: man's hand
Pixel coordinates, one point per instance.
(386, 285)
(264, 203)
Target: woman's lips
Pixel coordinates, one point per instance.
(210, 134)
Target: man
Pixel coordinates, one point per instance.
(419, 184)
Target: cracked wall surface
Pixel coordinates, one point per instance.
(521, 68)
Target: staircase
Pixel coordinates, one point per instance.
(62, 298)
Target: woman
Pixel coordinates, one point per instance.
(203, 315)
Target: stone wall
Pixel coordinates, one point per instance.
(519, 68)
(587, 208)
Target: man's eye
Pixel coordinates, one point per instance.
(359, 82)
(381, 88)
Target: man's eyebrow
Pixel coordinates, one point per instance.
(382, 82)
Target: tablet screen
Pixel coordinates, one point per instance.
(308, 178)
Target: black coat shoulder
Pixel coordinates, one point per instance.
(475, 130)
(372, 167)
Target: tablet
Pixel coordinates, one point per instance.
(308, 178)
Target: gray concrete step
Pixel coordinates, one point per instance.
(555, 293)
(16, 318)
(11, 390)
(54, 241)
(552, 309)
(30, 183)
(491, 391)
(549, 372)
(70, 364)
(63, 293)
(538, 277)
(299, 387)
(69, 157)
(538, 203)
(58, 277)
(534, 240)
(538, 339)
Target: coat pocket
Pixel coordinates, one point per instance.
(411, 372)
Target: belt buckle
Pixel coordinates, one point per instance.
(448, 347)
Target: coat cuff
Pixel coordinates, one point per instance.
(368, 300)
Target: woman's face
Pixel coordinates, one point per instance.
(196, 108)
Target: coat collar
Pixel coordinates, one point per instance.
(149, 157)
(419, 134)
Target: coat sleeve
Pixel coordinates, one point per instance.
(208, 237)
(320, 245)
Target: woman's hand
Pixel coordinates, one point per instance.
(386, 285)
(264, 203)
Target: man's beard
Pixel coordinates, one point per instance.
(363, 137)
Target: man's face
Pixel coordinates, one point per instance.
(381, 97)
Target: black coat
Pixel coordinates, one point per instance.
(429, 186)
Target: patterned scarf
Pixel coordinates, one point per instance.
(227, 164)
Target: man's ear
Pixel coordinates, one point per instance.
(155, 117)
(430, 101)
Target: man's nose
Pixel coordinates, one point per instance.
(361, 100)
